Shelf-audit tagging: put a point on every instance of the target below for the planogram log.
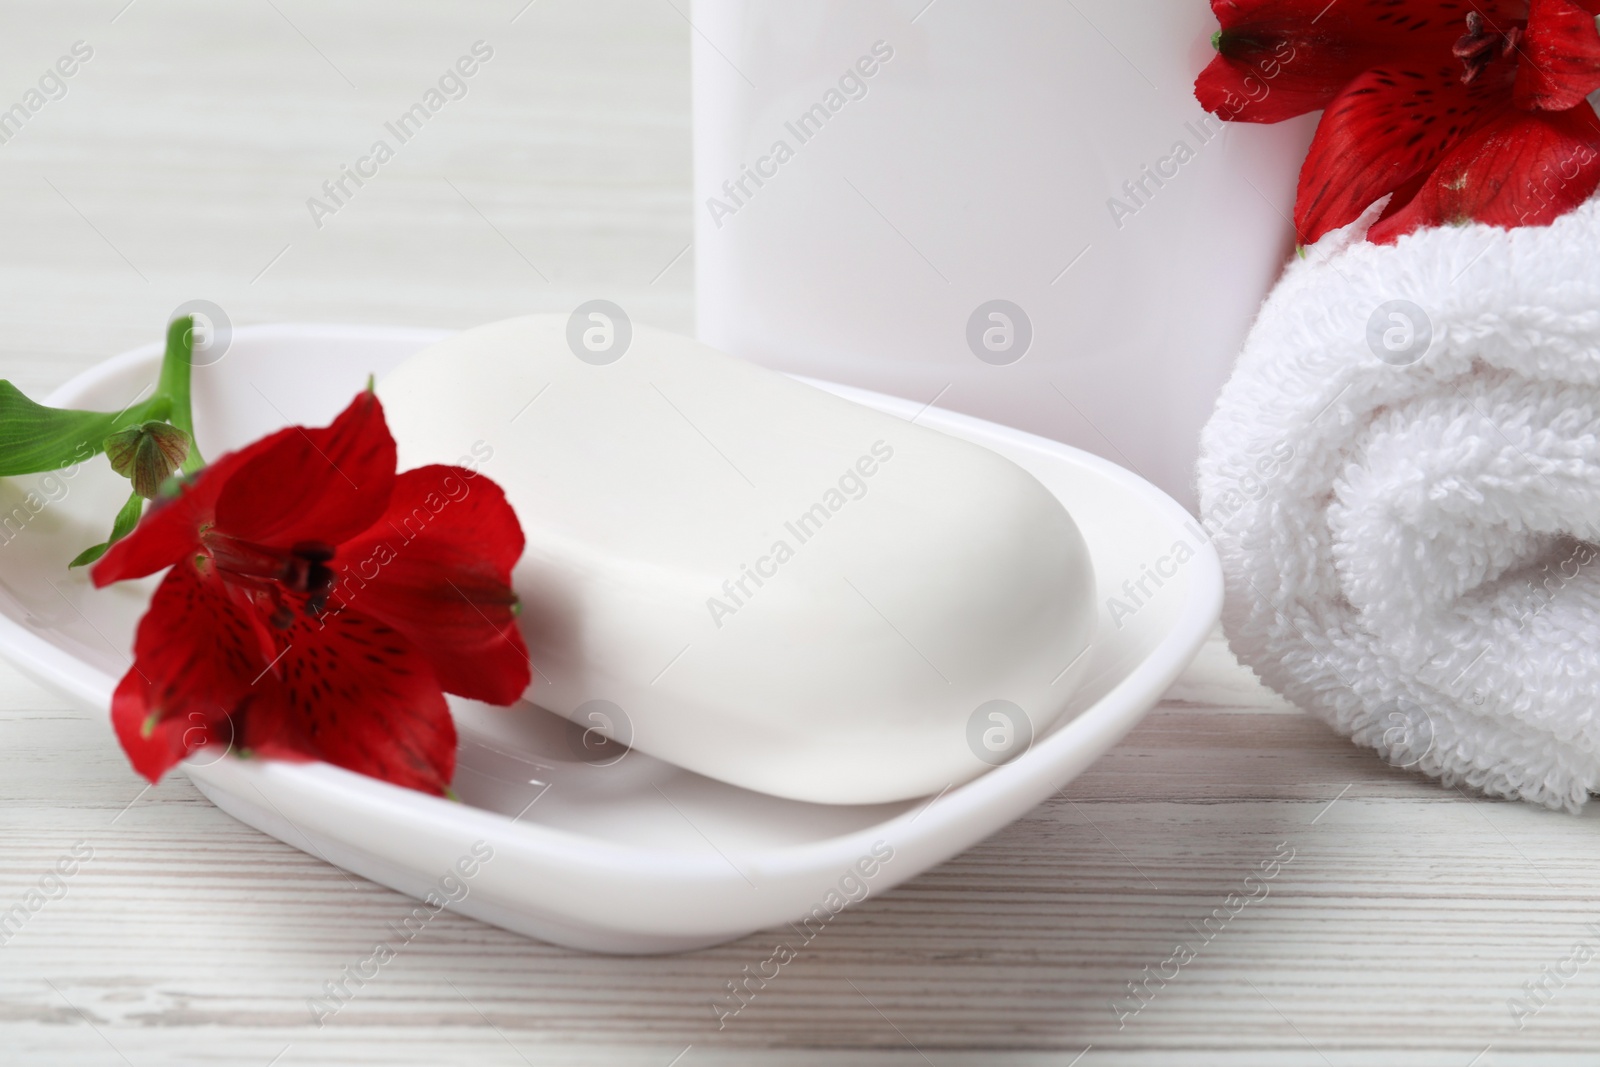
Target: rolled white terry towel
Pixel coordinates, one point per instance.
(1402, 479)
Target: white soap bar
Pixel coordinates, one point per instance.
(779, 588)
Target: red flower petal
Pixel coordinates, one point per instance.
(1281, 58)
(353, 692)
(195, 654)
(1558, 59)
(1385, 128)
(170, 529)
(154, 748)
(437, 567)
(279, 478)
(325, 484)
(1401, 198)
(1247, 85)
(237, 635)
(1364, 19)
(1524, 169)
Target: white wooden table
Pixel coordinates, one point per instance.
(178, 165)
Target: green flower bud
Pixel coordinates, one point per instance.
(147, 455)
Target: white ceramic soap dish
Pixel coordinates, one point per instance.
(613, 855)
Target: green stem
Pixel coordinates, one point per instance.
(157, 407)
(174, 384)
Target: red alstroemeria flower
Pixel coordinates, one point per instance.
(319, 605)
(1465, 110)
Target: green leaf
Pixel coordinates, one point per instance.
(126, 520)
(35, 438)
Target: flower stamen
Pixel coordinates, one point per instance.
(301, 570)
(1478, 48)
